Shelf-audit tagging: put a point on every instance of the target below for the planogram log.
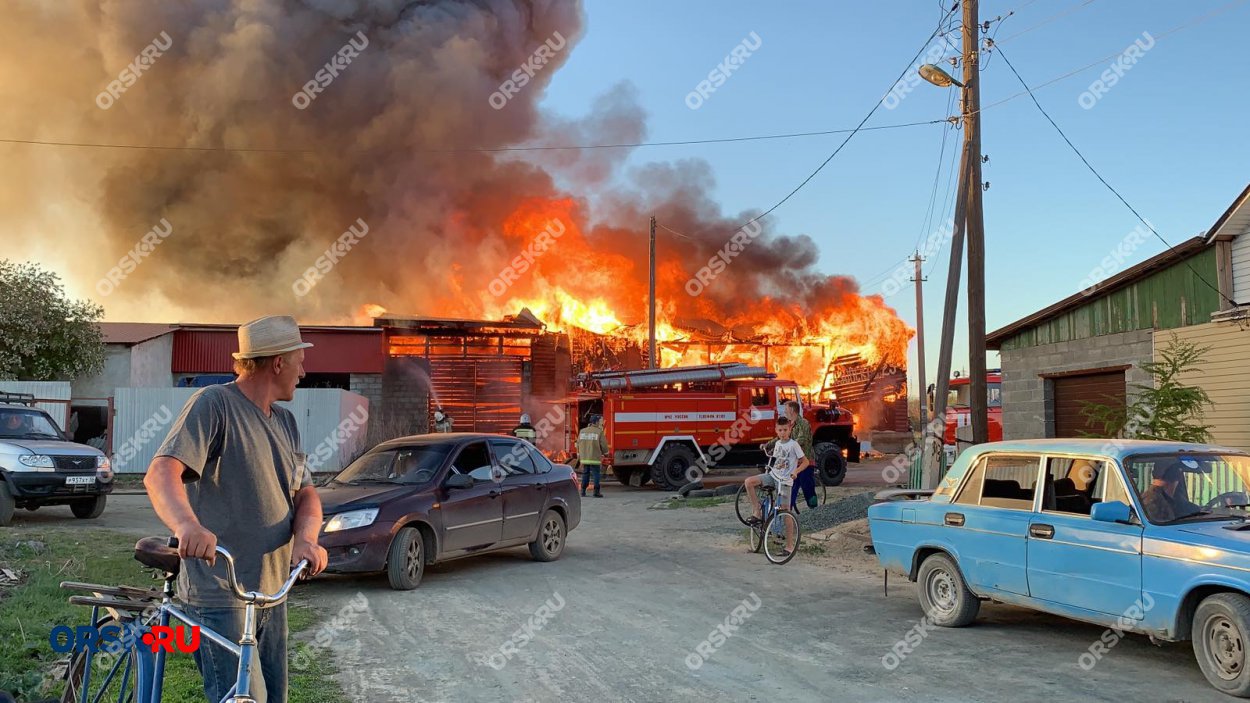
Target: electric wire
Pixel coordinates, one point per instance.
(1102, 180)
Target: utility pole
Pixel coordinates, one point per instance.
(919, 279)
(968, 197)
(652, 362)
(976, 229)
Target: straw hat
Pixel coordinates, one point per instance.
(269, 336)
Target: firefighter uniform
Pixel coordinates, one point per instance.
(592, 444)
(525, 430)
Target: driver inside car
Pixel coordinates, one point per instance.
(1166, 499)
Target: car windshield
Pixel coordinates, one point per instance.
(27, 424)
(1190, 486)
(403, 465)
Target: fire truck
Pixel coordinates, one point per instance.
(668, 426)
(959, 405)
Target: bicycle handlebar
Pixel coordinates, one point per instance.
(253, 596)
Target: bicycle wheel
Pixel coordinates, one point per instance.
(112, 678)
(742, 504)
(755, 537)
(775, 537)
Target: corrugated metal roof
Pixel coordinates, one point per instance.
(1234, 221)
(334, 350)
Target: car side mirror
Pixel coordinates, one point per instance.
(1115, 511)
(458, 481)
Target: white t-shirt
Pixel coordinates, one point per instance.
(786, 457)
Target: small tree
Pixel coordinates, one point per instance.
(1166, 409)
(45, 336)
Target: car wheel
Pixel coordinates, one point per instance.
(551, 535)
(623, 475)
(1221, 633)
(88, 509)
(7, 504)
(670, 468)
(944, 596)
(830, 464)
(405, 560)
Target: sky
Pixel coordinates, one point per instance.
(1170, 135)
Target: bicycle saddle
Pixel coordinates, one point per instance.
(156, 553)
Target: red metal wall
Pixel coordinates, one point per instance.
(333, 351)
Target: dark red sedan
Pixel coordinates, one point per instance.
(430, 498)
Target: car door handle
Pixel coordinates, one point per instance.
(954, 519)
(1041, 531)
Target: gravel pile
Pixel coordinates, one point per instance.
(835, 513)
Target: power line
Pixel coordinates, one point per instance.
(620, 145)
(1102, 180)
(937, 176)
(855, 131)
(1048, 20)
(672, 231)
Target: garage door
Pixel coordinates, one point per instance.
(1071, 393)
(481, 395)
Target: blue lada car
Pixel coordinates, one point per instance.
(1143, 536)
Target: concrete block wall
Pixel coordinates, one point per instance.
(1028, 401)
(405, 397)
(370, 386)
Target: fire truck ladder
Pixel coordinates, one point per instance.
(708, 373)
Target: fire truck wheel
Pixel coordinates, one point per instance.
(830, 464)
(669, 470)
(623, 475)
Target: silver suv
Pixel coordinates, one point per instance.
(39, 465)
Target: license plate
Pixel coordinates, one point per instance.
(79, 480)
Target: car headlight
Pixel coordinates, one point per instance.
(37, 461)
(351, 520)
(103, 469)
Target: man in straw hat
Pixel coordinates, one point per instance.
(231, 471)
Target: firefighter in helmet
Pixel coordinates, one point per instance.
(442, 421)
(525, 430)
(592, 444)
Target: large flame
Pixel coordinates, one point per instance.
(574, 284)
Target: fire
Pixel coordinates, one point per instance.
(599, 284)
(365, 314)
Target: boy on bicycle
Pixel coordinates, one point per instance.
(787, 462)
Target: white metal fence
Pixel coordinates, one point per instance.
(51, 390)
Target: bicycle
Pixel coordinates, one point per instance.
(770, 532)
(136, 610)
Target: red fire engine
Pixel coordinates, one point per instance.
(668, 425)
(959, 405)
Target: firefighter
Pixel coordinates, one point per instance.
(525, 430)
(442, 421)
(592, 444)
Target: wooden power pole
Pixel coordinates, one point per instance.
(919, 279)
(969, 216)
(652, 362)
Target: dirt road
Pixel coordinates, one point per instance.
(638, 590)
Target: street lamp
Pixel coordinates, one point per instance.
(937, 76)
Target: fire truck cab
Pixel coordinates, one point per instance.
(670, 426)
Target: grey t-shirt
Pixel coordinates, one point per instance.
(245, 469)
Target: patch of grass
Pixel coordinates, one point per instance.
(30, 610)
(813, 548)
(675, 503)
(128, 482)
